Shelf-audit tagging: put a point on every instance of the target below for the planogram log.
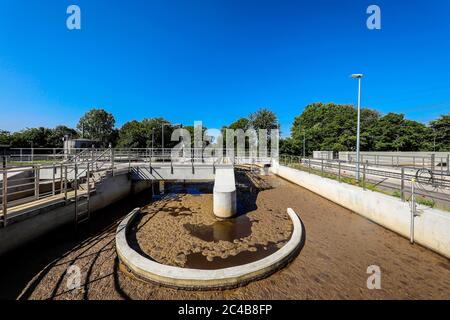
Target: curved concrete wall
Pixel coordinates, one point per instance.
(431, 227)
(171, 276)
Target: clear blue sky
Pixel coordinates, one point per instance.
(216, 61)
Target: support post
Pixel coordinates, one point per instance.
(364, 175)
(448, 164)
(88, 173)
(36, 182)
(129, 162)
(75, 187)
(150, 164)
(65, 183)
(53, 179)
(5, 196)
(432, 162)
(61, 179)
(112, 160)
(413, 211)
(402, 185)
(339, 170)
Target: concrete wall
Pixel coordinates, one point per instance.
(432, 227)
(109, 191)
(328, 155)
(179, 172)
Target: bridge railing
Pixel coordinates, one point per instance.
(433, 161)
(28, 181)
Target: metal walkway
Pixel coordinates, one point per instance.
(28, 187)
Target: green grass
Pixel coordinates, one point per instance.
(24, 163)
(396, 194)
(426, 202)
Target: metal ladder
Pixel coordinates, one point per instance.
(82, 208)
(82, 200)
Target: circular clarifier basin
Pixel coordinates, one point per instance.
(180, 230)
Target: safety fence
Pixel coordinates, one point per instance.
(433, 186)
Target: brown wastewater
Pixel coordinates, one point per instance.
(178, 228)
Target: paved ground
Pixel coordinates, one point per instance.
(339, 246)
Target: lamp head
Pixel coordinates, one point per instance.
(357, 75)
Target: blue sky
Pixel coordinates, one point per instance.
(218, 60)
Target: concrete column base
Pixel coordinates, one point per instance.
(224, 194)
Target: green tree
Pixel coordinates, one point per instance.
(36, 137)
(55, 140)
(97, 124)
(332, 127)
(393, 132)
(156, 127)
(263, 119)
(441, 133)
(5, 137)
(290, 146)
(145, 134)
(242, 123)
(132, 135)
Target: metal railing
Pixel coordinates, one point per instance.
(439, 161)
(27, 182)
(432, 185)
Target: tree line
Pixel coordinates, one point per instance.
(319, 127)
(99, 125)
(332, 127)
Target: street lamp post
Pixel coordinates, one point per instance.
(358, 76)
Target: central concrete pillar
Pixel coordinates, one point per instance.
(224, 193)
